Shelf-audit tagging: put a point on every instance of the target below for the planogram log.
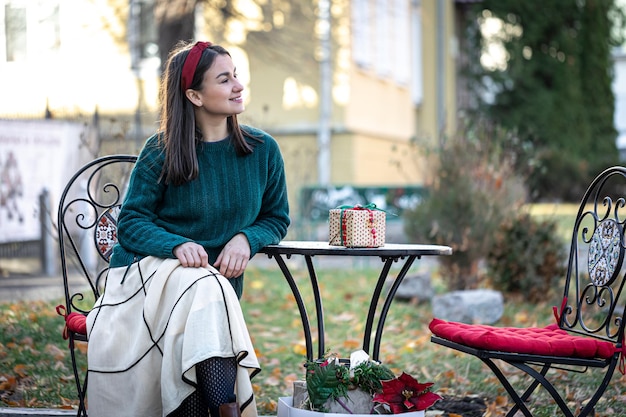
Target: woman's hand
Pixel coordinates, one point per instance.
(190, 254)
(233, 259)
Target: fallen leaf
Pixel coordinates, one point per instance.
(256, 284)
(8, 383)
(290, 379)
(352, 344)
(27, 341)
(20, 370)
(256, 388)
(271, 406)
(55, 351)
(81, 347)
(501, 401)
(299, 349)
(66, 402)
(272, 381)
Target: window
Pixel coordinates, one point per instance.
(30, 28)
(382, 38)
(15, 32)
(402, 42)
(361, 33)
(417, 86)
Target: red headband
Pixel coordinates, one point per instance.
(191, 63)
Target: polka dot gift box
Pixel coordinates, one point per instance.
(357, 226)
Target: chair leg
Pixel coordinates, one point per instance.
(519, 402)
(81, 388)
(531, 388)
(539, 378)
(82, 406)
(589, 408)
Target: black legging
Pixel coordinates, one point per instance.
(216, 386)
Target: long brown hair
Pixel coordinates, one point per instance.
(179, 135)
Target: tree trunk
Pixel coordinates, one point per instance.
(175, 22)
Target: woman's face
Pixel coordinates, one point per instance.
(220, 93)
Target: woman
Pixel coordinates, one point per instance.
(167, 337)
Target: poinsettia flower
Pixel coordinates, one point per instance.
(404, 394)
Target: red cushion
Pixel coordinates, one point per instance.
(549, 340)
(75, 322)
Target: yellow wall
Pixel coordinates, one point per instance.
(379, 107)
(370, 161)
(373, 118)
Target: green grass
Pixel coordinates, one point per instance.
(35, 365)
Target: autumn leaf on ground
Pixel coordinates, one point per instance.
(67, 404)
(81, 347)
(275, 377)
(343, 317)
(299, 348)
(501, 401)
(20, 370)
(290, 379)
(8, 383)
(270, 406)
(352, 344)
(522, 317)
(55, 352)
(256, 284)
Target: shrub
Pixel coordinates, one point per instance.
(528, 256)
(475, 188)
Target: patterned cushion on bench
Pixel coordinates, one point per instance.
(549, 340)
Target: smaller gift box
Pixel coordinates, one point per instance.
(357, 226)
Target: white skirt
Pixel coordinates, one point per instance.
(154, 322)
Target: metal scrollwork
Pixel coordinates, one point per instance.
(598, 299)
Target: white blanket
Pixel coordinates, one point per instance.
(154, 322)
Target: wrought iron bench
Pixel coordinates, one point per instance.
(87, 228)
(589, 331)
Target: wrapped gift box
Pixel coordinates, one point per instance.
(286, 409)
(357, 227)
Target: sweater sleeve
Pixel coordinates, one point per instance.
(271, 224)
(138, 231)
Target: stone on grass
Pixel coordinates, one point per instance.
(415, 287)
(469, 306)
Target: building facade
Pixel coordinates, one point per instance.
(347, 87)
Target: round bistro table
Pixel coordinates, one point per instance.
(388, 254)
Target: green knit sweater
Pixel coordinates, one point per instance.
(231, 194)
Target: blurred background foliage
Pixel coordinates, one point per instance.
(553, 86)
(540, 128)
